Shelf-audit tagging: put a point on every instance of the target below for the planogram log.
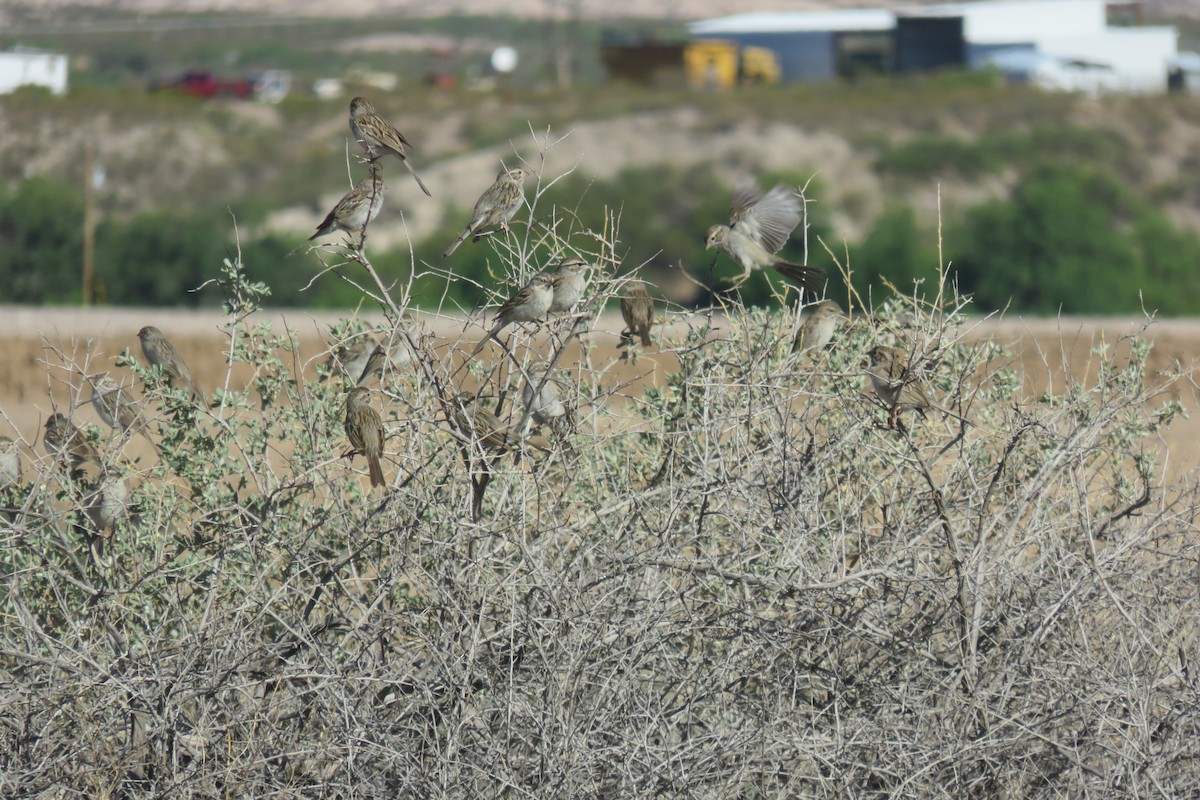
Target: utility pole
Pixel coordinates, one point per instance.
(89, 220)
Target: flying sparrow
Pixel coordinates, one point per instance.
(117, 407)
(364, 429)
(67, 443)
(568, 282)
(10, 463)
(161, 353)
(379, 137)
(637, 309)
(531, 303)
(816, 330)
(357, 207)
(496, 206)
(896, 384)
(759, 227)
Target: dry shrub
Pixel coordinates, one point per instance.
(740, 583)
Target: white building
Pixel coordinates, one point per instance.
(22, 67)
(1070, 38)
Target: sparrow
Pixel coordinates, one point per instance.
(897, 386)
(816, 331)
(357, 207)
(759, 227)
(108, 503)
(637, 309)
(496, 206)
(531, 303)
(67, 443)
(480, 424)
(10, 463)
(379, 358)
(546, 406)
(117, 407)
(378, 137)
(161, 353)
(568, 282)
(364, 429)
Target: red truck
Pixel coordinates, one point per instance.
(205, 84)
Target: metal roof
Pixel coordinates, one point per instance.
(852, 19)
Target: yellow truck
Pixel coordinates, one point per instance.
(722, 64)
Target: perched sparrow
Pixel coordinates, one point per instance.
(379, 137)
(897, 386)
(759, 227)
(351, 358)
(478, 423)
(117, 407)
(364, 429)
(637, 309)
(531, 303)
(547, 407)
(161, 353)
(568, 283)
(817, 329)
(357, 207)
(496, 206)
(10, 463)
(67, 443)
(396, 355)
(107, 503)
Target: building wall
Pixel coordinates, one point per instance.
(802, 55)
(33, 69)
(1140, 56)
(1020, 20)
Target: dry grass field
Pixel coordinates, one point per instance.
(34, 381)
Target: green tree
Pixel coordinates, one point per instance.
(41, 242)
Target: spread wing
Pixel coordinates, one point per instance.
(767, 218)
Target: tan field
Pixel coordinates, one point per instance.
(39, 343)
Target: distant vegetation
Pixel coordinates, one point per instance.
(1065, 210)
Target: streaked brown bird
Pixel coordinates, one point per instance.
(67, 443)
(355, 210)
(378, 137)
(495, 207)
(117, 407)
(637, 309)
(816, 331)
(542, 396)
(759, 226)
(531, 303)
(898, 386)
(364, 429)
(160, 352)
(569, 281)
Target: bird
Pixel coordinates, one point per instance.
(351, 358)
(496, 206)
(117, 407)
(542, 396)
(480, 424)
(357, 207)
(364, 429)
(897, 386)
(161, 353)
(568, 282)
(395, 355)
(531, 303)
(10, 463)
(107, 503)
(67, 443)
(637, 309)
(378, 137)
(759, 227)
(816, 330)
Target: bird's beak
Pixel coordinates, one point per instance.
(708, 245)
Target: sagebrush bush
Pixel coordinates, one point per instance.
(738, 583)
